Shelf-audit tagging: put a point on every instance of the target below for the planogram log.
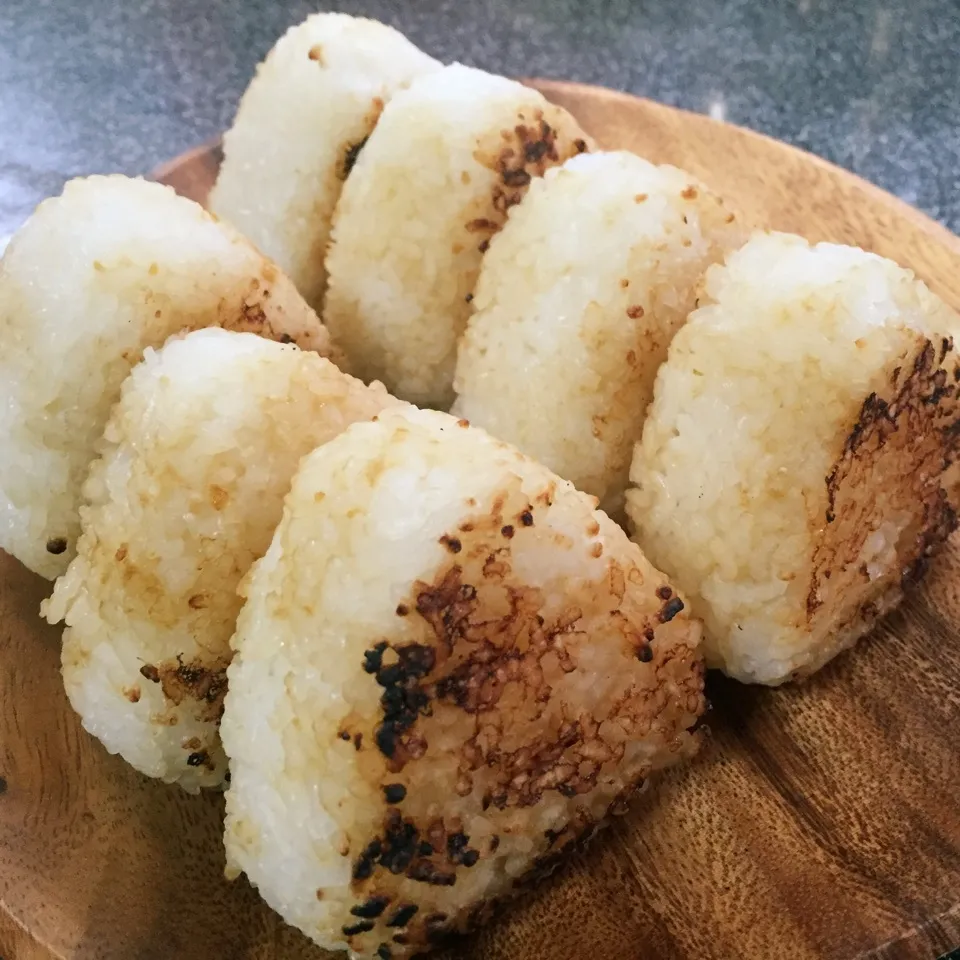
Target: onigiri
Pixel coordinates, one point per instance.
(576, 304)
(112, 266)
(198, 455)
(449, 157)
(797, 464)
(299, 129)
(449, 666)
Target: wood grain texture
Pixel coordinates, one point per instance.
(820, 821)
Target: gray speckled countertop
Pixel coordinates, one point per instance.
(100, 85)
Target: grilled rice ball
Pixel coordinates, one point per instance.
(448, 667)
(197, 458)
(797, 466)
(577, 301)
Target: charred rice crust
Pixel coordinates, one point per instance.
(911, 436)
(206, 684)
(517, 156)
(467, 662)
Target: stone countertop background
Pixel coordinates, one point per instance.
(94, 86)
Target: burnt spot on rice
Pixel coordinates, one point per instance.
(404, 698)
(200, 758)
(350, 156)
(373, 658)
(371, 908)
(363, 867)
(517, 155)
(399, 850)
(480, 225)
(908, 436)
(453, 544)
(394, 793)
(424, 871)
(670, 609)
(191, 680)
(403, 915)
(253, 317)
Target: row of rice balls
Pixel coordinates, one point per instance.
(448, 661)
(382, 210)
(418, 560)
(792, 471)
(775, 481)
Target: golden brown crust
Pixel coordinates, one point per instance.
(206, 684)
(895, 469)
(517, 156)
(496, 653)
(351, 151)
(251, 316)
(262, 309)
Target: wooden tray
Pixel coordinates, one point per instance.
(820, 821)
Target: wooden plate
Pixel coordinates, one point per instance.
(821, 821)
